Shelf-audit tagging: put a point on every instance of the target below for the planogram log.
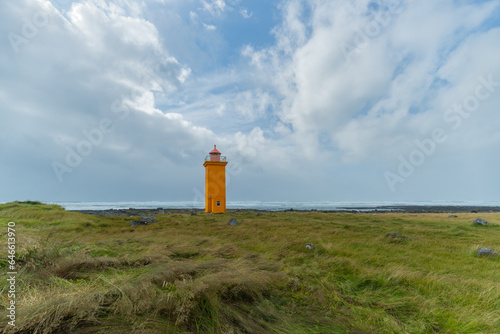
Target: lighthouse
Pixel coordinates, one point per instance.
(215, 182)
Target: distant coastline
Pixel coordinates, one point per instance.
(379, 209)
(434, 206)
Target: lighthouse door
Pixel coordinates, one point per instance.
(210, 203)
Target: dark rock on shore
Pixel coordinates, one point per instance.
(233, 222)
(149, 219)
(396, 235)
(145, 220)
(379, 210)
(137, 223)
(426, 208)
(486, 252)
(481, 222)
(137, 212)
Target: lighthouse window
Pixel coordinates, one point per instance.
(218, 203)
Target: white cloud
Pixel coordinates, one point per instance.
(209, 27)
(214, 7)
(384, 96)
(193, 16)
(111, 67)
(253, 104)
(344, 83)
(244, 12)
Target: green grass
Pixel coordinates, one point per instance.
(195, 274)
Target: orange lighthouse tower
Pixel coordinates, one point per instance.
(215, 182)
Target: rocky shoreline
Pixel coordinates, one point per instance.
(380, 209)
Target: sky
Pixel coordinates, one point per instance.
(310, 100)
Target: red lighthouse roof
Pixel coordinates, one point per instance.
(215, 151)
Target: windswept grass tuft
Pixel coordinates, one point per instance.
(195, 274)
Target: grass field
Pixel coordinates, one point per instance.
(195, 274)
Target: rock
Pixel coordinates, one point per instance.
(294, 284)
(310, 246)
(396, 235)
(480, 221)
(452, 216)
(233, 222)
(137, 223)
(144, 221)
(148, 219)
(194, 214)
(259, 214)
(486, 252)
(289, 210)
(161, 212)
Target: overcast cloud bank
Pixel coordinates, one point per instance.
(310, 100)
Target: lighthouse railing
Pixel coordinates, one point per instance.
(210, 158)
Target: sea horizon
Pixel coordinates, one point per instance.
(262, 205)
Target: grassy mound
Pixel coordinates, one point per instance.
(195, 274)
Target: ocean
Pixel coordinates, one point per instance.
(257, 205)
